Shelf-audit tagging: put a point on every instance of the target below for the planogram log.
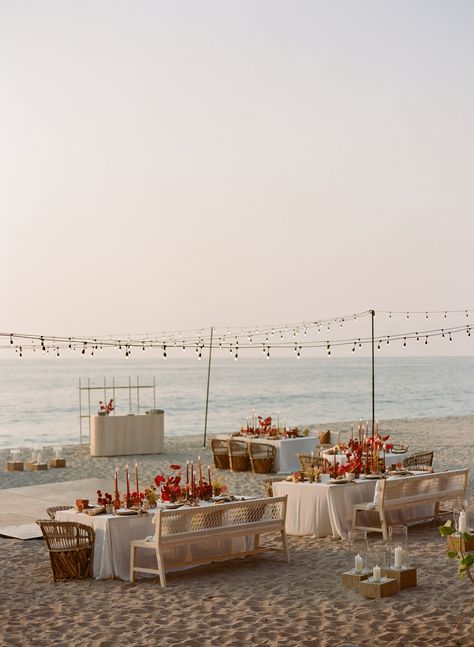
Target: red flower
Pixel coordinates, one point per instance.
(159, 479)
(175, 467)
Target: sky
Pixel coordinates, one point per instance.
(169, 165)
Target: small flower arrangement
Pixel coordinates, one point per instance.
(218, 486)
(170, 485)
(106, 407)
(104, 499)
(150, 495)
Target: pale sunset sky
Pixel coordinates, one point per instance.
(169, 165)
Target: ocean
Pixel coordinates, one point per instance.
(39, 397)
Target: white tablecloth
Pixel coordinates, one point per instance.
(321, 509)
(113, 535)
(287, 450)
(390, 459)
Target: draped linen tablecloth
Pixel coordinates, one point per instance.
(322, 509)
(113, 535)
(287, 450)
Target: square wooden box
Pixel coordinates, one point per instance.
(406, 577)
(467, 546)
(36, 467)
(381, 589)
(15, 466)
(57, 462)
(352, 580)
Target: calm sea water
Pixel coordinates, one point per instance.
(39, 398)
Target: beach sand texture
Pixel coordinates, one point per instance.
(261, 601)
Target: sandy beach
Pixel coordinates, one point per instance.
(259, 601)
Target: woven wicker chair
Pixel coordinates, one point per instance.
(262, 458)
(220, 453)
(51, 512)
(306, 460)
(71, 548)
(419, 461)
(238, 455)
(268, 484)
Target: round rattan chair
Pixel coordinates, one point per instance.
(51, 512)
(306, 461)
(238, 455)
(262, 457)
(71, 548)
(220, 453)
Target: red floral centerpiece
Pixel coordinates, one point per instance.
(106, 408)
(170, 485)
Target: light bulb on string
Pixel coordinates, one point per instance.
(417, 338)
(299, 353)
(389, 315)
(378, 345)
(360, 343)
(450, 338)
(408, 315)
(388, 341)
(11, 338)
(467, 314)
(426, 315)
(404, 342)
(268, 352)
(445, 314)
(21, 351)
(426, 340)
(353, 348)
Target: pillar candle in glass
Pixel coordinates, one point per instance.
(136, 480)
(398, 545)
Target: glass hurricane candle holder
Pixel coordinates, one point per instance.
(377, 558)
(398, 545)
(357, 544)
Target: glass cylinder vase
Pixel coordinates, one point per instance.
(357, 543)
(398, 546)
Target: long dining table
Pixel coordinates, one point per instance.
(287, 449)
(113, 534)
(325, 508)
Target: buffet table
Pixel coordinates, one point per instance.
(322, 509)
(124, 435)
(113, 535)
(287, 449)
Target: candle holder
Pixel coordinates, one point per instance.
(377, 559)
(398, 546)
(358, 547)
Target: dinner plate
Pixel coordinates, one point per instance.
(338, 481)
(172, 506)
(124, 513)
(373, 476)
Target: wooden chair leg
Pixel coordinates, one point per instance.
(285, 545)
(132, 563)
(256, 543)
(383, 525)
(161, 567)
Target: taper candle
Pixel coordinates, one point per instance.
(209, 474)
(127, 477)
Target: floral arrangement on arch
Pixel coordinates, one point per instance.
(170, 485)
(107, 407)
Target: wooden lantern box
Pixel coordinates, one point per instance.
(351, 580)
(36, 467)
(15, 466)
(405, 577)
(57, 462)
(381, 589)
(454, 543)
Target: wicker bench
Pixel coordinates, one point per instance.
(224, 521)
(401, 493)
